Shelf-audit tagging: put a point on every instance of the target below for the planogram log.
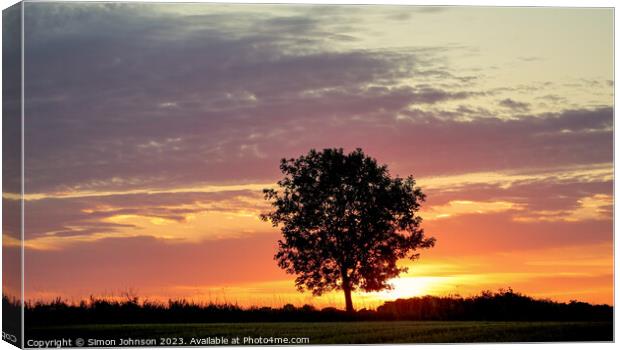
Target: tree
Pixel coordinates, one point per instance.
(345, 222)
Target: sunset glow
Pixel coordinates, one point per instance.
(149, 142)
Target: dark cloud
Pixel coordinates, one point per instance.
(11, 99)
(515, 105)
(128, 98)
(433, 145)
(553, 98)
(11, 217)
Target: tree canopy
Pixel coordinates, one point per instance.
(345, 222)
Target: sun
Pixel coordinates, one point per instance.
(408, 287)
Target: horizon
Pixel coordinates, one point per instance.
(128, 297)
(151, 129)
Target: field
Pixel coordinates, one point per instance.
(332, 332)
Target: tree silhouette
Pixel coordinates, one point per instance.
(345, 222)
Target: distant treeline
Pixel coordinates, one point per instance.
(503, 305)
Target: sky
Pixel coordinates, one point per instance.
(151, 129)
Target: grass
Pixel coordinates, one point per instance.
(345, 332)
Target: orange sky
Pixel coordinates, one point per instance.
(223, 252)
(146, 154)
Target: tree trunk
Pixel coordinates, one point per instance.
(347, 297)
(346, 288)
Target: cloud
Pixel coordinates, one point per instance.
(596, 207)
(150, 130)
(232, 211)
(245, 149)
(11, 218)
(134, 97)
(565, 176)
(554, 197)
(467, 207)
(515, 105)
(128, 104)
(11, 102)
(553, 98)
(143, 92)
(561, 195)
(56, 222)
(156, 99)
